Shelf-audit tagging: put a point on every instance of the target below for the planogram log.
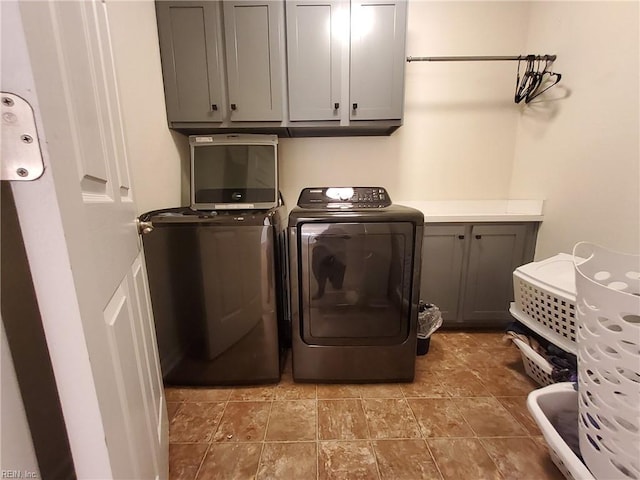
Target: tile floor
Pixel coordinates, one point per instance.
(464, 417)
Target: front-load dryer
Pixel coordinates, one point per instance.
(354, 283)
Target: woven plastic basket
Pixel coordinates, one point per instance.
(608, 311)
(536, 366)
(545, 296)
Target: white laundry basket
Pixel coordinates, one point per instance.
(608, 312)
(545, 299)
(545, 404)
(536, 366)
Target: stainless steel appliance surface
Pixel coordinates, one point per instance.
(217, 283)
(354, 284)
(234, 172)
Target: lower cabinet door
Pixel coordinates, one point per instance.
(495, 252)
(442, 257)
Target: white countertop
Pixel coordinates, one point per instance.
(436, 211)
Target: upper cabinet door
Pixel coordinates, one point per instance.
(254, 59)
(315, 33)
(191, 60)
(378, 30)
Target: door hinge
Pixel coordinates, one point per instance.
(21, 155)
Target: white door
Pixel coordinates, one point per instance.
(78, 222)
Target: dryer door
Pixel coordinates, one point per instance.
(356, 282)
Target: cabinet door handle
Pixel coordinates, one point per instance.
(214, 106)
(478, 237)
(336, 106)
(355, 106)
(234, 106)
(461, 237)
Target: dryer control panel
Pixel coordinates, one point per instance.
(344, 197)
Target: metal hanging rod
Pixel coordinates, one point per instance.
(550, 58)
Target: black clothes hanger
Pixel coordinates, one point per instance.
(525, 85)
(547, 78)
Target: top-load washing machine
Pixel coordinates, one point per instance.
(217, 269)
(354, 284)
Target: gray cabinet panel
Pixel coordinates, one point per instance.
(442, 255)
(191, 60)
(495, 252)
(377, 59)
(314, 49)
(252, 34)
(467, 269)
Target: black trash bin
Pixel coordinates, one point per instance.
(429, 320)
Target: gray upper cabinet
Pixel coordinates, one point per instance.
(191, 60)
(254, 57)
(222, 62)
(327, 67)
(378, 31)
(314, 51)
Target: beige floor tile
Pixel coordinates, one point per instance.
(288, 461)
(381, 390)
(488, 418)
(505, 382)
(490, 340)
(253, 393)
(231, 461)
(243, 422)
(462, 459)
(185, 460)
(341, 419)
(425, 384)
(405, 460)
(173, 394)
(455, 340)
(172, 408)
(338, 391)
(517, 406)
(390, 418)
(486, 358)
(521, 459)
(346, 461)
(195, 422)
(443, 355)
(197, 394)
(292, 420)
(439, 417)
(425, 363)
(468, 401)
(288, 390)
(461, 383)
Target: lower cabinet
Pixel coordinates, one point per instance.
(467, 269)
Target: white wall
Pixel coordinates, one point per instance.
(157, 155)
(459, 131)
(582, 153)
